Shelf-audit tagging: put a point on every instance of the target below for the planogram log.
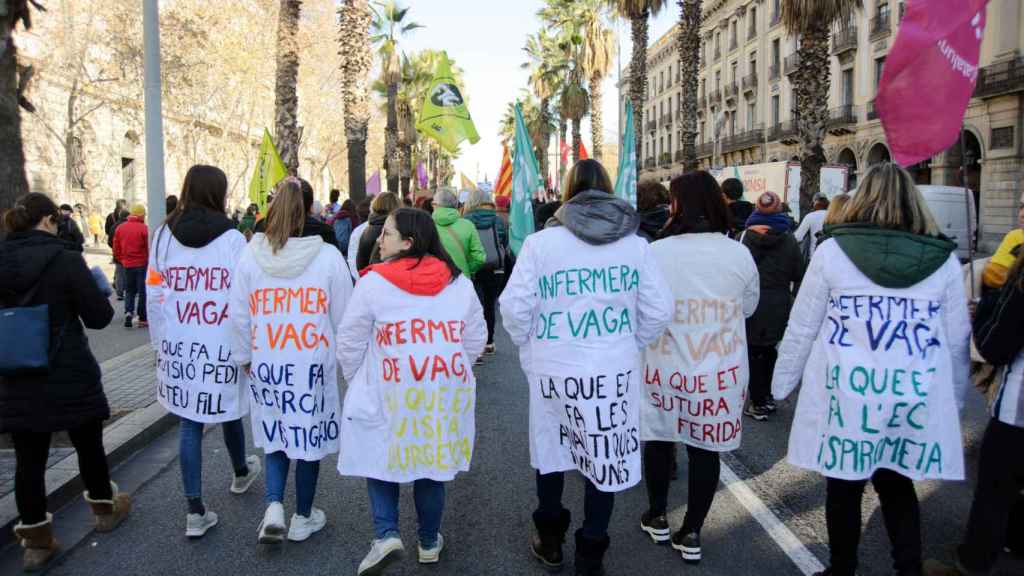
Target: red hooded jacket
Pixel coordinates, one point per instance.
(131, 243)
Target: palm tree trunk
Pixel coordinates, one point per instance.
(13, 182)
(638, 81)
(545, 136)
(563, 136)
(689, 63)
(391, 159)
(596, 118)
(405, 167)
(286, 100)
(576, 139)
(356, 61)
(811, 88)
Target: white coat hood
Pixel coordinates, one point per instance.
(290, 261)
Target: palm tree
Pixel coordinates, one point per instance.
(548, 65)
(574, 103)
(638, 12)
(812, 22)
(286, 100)
(13, 182)
(356, 61)
(689, 63)
(583, 23)
(388, 25)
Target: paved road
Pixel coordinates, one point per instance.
(487, 519)
(115, 339)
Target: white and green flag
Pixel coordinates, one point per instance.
(625, 181)
(525, 182)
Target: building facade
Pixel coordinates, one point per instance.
(746, 101)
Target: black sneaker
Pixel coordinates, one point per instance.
(656, 527)
(689, 545)
(770, 405)
(127, 320)
(759, 413)
(489, 349)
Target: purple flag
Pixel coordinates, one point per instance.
(929, 77)
(373, 184)
(421, 175)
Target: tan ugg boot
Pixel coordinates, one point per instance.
(110, 513)
(38, 541)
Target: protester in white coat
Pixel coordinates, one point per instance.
(406, 347)
(288, 296)
(585, 296)
(696, 373)
(882, 316)
(190, 267)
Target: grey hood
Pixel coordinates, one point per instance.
(597, 217)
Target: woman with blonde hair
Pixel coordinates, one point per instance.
(288, 295)
(835, 209)
(882, 306)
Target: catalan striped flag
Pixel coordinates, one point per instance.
(503, 187)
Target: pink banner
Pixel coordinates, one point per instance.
(929, 77)
(421, 175)
(373, 184)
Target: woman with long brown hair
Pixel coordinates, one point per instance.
(288, 296)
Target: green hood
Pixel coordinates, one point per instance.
(891, 258)
(445, 216)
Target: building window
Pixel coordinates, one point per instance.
(733, 34)
(718, 80)
(776, 53)
(752, 26)
(848, 87)
(883, 11)
(1002, 137)
(775, 110)
(879, 68)
(751, 112)
(735, 71)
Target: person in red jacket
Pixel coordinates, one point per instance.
(131, 250)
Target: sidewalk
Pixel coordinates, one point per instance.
(136, 418)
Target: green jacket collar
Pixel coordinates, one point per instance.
(891, 258)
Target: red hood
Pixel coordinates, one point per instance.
(427, 278)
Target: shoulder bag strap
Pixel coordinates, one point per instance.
(458, 243)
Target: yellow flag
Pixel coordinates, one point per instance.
(467, 184)
(444, 116)
(269, 171)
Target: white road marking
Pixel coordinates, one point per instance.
(807, 562)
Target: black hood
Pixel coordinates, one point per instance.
(25, 255)
(652, 221)
(769, 239)
(597, 217)
(377, 219)
(197, 227)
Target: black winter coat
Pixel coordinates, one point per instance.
(780, 266)
(368, 253)
(71, 394)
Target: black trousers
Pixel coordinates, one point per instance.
(31, 451)
(702, 481)
(900, 513)
(762, 365)
(486, 284)
(997, 498)
(597, 505)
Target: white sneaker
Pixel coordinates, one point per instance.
(272, 528)
(432, 555)
(303, 527)
(239, 484)
(196, 525)
(382, 553)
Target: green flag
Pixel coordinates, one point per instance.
(625, 181)
(444, 116)
(269, 171)
(525, 181)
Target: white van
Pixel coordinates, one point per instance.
(949, 206)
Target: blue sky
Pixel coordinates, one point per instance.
(485, 38)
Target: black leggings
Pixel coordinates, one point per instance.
(900, 513)
(762, 365)
(32, 450)
(702, 480)
(597, 505)
(486, 284)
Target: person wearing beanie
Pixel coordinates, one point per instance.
(131, 250)
(732, 190)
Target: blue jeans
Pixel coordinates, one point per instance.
(429, 497)
(306, 475)
(135, 285)
(190, 448)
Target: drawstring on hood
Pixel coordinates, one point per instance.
(891, 258)
(423, 277)
(290, 261)
(597, 217)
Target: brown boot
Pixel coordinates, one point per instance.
(110, 513)
(38, 541)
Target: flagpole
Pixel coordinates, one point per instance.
(968, 203)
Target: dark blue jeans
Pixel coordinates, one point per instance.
(135, 285)
(429, 497)
(306, 475)
(190, 448)
(597, 505)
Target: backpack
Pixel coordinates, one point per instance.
(495, 260)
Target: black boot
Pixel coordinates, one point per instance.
(590, 555)
(546, 544)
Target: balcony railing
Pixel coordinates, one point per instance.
(666, 158)
(731, 90)
(750, 82)
(872, 111)
(841, 117)
(784, 132)
(774, 71)
(649, 163)
(792, 62)
(1000, 78)
(844, 39)
(881, 26)
(714, 96)
(652, 125)
(743, 140)
(704, 149)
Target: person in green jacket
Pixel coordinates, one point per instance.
(458, 235)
